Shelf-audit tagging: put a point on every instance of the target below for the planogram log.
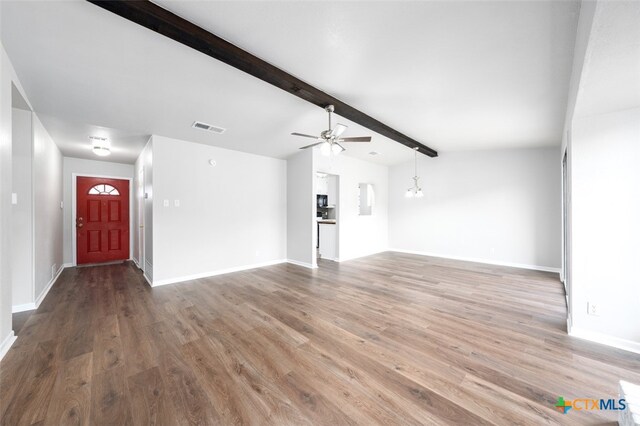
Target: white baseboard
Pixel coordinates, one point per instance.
(6, 344)
(135, 261)
(605, 339)
(22, 308)
(477, 260)
(157, 283)
(144, 274)
(44, 293)
(34, 305)
(303, 264)
(345, 259)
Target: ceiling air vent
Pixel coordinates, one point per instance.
(207, 127)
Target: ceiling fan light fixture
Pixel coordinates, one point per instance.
(325, 149)
(330, 140)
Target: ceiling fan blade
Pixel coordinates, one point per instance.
(304, 136)
(312, 145)
(338, 130)
(356, 139)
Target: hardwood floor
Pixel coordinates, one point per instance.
(388, 339)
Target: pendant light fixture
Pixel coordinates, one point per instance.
(415, 190)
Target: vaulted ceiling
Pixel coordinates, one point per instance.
(453, 75)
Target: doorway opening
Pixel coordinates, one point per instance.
(327, 214)
(102, 220)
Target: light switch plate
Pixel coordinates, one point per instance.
(176, 203)
(14, 198)
(165, 203)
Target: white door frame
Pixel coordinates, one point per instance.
(140, 230)
(337, 214)
(74, 183)
(565, 161)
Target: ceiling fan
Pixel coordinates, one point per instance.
(330, 139)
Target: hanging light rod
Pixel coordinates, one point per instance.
(415, 190)
(155, 18)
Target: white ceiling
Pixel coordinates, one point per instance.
(611, 74)
(453, 75)
(73, 140)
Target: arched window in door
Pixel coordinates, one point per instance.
(103, 189)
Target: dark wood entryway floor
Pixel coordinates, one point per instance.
(392, 338)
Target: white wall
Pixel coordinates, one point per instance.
(7, 75)
(230, 216)
(606, 224)
(585, 23)
(301, 209)
(358, 235)
(497, 206)
(47, 195)
(603, 153)
(89, 168)
(22, 214)
(8, 79)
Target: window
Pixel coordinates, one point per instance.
(103, 190)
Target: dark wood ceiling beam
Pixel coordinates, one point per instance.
(162, 21)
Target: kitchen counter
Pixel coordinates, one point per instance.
(327, 221)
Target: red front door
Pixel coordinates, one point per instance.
(102, 220)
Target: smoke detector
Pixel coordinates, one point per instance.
(208, 127)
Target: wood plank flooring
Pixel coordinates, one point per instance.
(388, 339)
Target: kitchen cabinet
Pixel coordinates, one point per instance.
(332, 190)
(321, 185)
(328, 241)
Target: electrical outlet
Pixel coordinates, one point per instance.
(593, 309)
